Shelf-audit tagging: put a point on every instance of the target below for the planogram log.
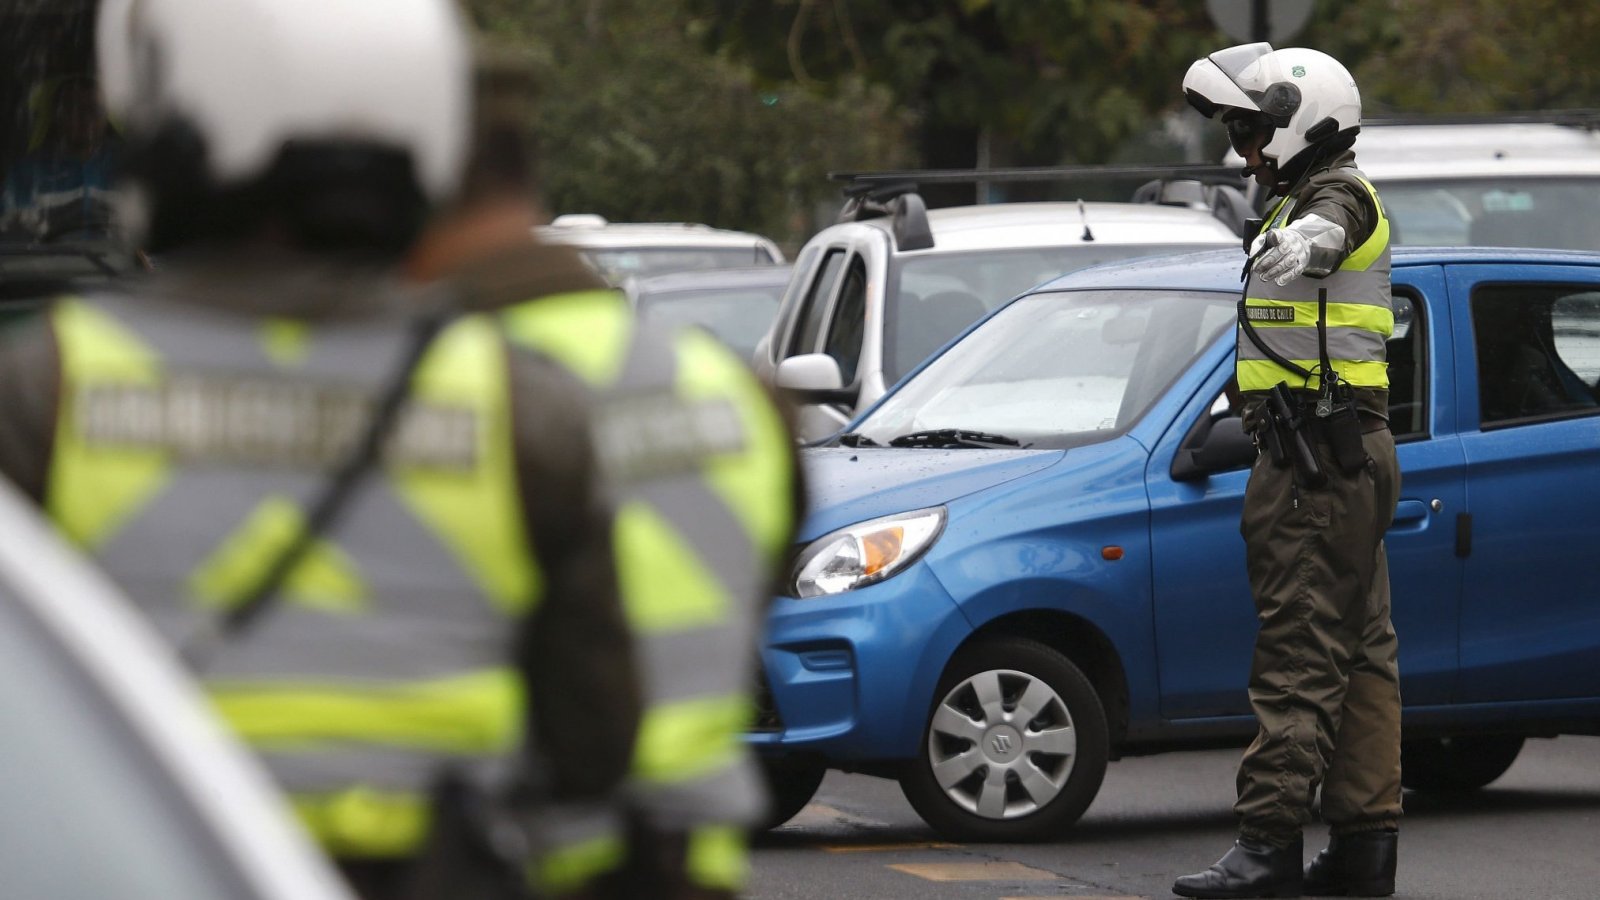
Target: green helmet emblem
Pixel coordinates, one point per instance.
(1298, 71)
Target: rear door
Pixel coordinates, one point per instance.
(1530, 408)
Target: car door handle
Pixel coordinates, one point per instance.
(1410, 513)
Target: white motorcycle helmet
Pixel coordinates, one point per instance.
(1305, 96)
(242, 80)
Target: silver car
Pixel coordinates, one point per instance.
(114, 779)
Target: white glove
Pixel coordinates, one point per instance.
(1286, 259)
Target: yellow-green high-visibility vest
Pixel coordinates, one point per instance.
(188, 447)
(1360, 315)
(702, 466)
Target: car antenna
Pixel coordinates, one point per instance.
(1083, 214)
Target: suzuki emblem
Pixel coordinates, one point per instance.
(1001, 744)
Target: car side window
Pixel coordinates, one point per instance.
(814, 311)
(1538, 350)
(1407, 350)
(848, 322)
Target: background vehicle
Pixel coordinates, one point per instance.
(875, 294)
(622, 250)
(1519, 180)
(114, 780)
(1025, 560)
(736, 305)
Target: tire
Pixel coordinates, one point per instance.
(1005, 779)
(791, 783)
(1457, 763)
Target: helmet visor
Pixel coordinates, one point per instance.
(1247, 130)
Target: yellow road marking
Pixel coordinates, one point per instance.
(978, 871)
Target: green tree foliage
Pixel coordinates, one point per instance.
(638, 121)
(1470, 55)
(1045, 80)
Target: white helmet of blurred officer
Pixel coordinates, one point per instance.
(1304, 101)
(242, 112)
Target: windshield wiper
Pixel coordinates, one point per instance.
(857, 439)
(953, 437)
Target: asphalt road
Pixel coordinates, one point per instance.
(1533, 834)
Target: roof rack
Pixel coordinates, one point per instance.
(870, 195)
(1190, 171)
(1588, 119)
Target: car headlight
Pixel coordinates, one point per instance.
(865, 553)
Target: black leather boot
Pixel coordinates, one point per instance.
(1355, 865)
(1250, 869)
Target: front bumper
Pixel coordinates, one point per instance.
(851, 676)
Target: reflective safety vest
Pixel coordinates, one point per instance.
(702, 465)
(187, 450)
(1360, 315)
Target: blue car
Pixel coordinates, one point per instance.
(1025, 561)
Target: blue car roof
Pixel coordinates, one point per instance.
(1218, 270)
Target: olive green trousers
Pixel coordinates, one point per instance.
(1324, 680)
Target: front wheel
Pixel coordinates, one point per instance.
(1463, 763)
(1015, 748)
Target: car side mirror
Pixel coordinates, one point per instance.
(1225, 447)
(813, 378)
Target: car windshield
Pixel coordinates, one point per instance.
(618, 264)
(1561, 213)
(739, 317)
(84, 811)
(933, 297)
(1057, 369)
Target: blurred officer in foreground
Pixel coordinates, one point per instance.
(704, 470)
(373, 527)
(1311, 366)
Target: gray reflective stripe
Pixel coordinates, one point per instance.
(732, 795)
(358, 353)
(569, 824)
(703, 520)
(1368, 288)
(651, 364)
(703, 662)
(1301, 343)
(697, 513)
(327, 768)
(423, 616)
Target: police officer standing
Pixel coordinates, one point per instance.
(704, 470)
(375, 528)
(1313, 321)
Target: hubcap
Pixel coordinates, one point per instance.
(1001, 744)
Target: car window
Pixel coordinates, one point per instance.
(737, 316)
(1538, 350)
(1058, 369)
(814, 310)
(84, 812)
(1498, 212)
(848, 322)
(1408, 370)
(619, 264)
(789, 305)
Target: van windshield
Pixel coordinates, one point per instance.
(1559, 213)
